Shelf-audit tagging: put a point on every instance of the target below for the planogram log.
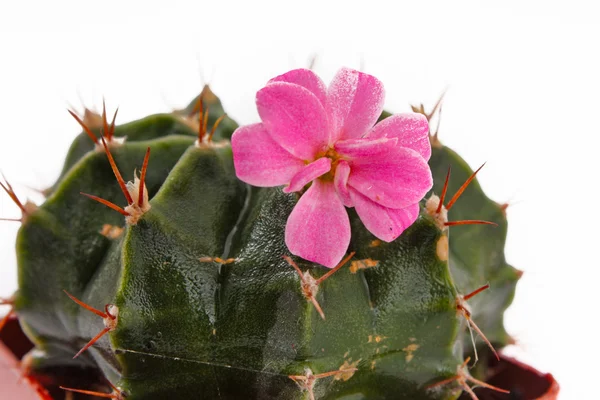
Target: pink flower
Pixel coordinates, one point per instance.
(310, 133)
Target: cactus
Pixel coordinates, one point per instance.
(189, 290)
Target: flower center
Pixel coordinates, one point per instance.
(335, 159)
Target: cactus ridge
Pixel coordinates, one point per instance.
(198, 296)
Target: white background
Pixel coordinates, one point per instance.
(523, 94)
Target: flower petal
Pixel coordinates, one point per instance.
(359, 148)
(309, 173)
(340, 181)
(259, 161)
(294, 117)
(318, 229)
(385, 223)
(411, 130)
(354, 102)
(306, 78)
(396, 179)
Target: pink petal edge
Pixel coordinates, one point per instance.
(309, 173)
(354, 103)
(294, 117)
(340, 181)
(259, 161)
(411, 130)
(305, 78)
(385, 223)
(361, 148)
(396, 179)
(318, 229)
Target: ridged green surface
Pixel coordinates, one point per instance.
(194, 329)
(477, 251)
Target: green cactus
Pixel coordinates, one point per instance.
(201, 303)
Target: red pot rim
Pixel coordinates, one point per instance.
(13, 383)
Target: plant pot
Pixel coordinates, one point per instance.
(13, 385)
(523, 381)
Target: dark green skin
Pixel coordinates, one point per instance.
(193, 329)
(477, 251)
